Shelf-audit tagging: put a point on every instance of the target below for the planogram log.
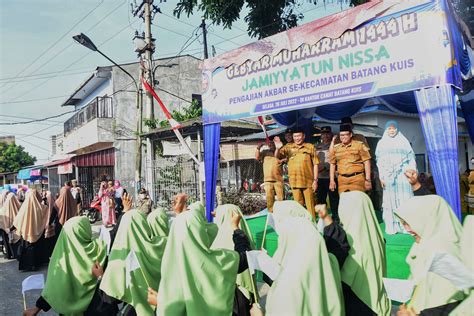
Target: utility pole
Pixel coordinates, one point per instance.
(204, 35)
(145, 11)
(150, 113)
(201, 170)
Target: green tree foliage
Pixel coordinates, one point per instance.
(265, 17)
(189, 113)
(465, 9)
(13, 157)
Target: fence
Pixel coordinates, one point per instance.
(172, 176)
(175, 175)
(99, 107)
(240, 175)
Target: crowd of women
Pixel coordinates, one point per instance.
(192, 267)
(30, 228)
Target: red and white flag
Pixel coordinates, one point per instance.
(174, 124)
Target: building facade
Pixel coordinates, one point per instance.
(100, 137)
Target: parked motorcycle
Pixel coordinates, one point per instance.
(93, 212)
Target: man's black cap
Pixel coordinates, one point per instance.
(345, 128)
(326, 129)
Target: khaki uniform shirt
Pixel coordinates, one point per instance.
(358, 137)
(301, 160)
(350, 158)
(272, 171)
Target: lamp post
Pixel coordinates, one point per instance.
(87, 42)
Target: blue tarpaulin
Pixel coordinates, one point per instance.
(24, 174)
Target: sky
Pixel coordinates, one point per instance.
(40, 64)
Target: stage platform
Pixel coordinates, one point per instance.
(397, 246)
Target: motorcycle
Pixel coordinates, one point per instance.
(93, 212)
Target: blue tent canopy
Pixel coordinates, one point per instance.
(432, 97)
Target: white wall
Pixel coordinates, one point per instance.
(411, 128)
(98, 130)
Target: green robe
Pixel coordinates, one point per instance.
(70, 284)
(365, 266)
(467, 251)
(306, 284)
(224, 240)
(159, 223)
(432, 218)
(135, 234)
(197, 280)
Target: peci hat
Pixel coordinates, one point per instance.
(289, 131)
(298, 130)
(326, 129)
(345, 128)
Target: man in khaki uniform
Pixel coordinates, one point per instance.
(352, 159)
(358, 137)
(302, 169)
(272, 173)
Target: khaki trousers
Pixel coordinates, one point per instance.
(355, 183)
(305, 196)
(272, 188)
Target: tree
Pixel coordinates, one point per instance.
(13, 157)
(265, 18)
(465, 10)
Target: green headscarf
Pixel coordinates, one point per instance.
(467, 245)
(224, 240)
(306, 284)
(197, 280)
(365, 266)
(434, 221)
(211, 228)
(70, 284)
(135, 234)
(467, 251)
(159, 223)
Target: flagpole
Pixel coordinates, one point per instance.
(255, 297)
(146, 281)
(415, 292)
(24, 302)
(264, 233)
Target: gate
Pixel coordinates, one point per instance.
(172, 176)
(90, 179)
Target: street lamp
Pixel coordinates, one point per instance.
(87, 42)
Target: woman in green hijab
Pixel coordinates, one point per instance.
(196, 279)
(436, 229)
(71, 287)
(306, 284)
(134, 239)
(224, 240)
(159, 223)
(364, 268)
(467, 249)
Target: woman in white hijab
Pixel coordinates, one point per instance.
(306, 284)
(394, 156)
(436, 229)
